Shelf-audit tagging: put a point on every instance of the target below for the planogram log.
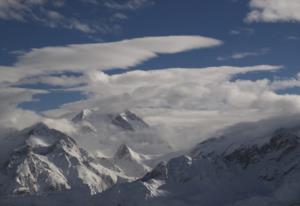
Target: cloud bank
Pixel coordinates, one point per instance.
(193, 103)
(48, 66)
(190, 103)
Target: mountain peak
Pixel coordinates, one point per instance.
(82, 115)
(128, 121)
(123, 151)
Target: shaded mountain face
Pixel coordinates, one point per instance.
(254, 171)
(128, 121)
(39, 160)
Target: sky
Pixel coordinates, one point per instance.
(177, 63)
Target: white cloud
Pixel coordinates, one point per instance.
(86, 58)
(190, 103)
(280, 84)
(14, 117)
(39, 65)
(274, 11)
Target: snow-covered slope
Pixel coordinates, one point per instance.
(39, 160)
(221, 172)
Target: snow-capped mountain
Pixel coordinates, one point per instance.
(106, 131)
(225, 171)
(126, 120)
(221, 172)
(39, 160)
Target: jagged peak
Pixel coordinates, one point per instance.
(125, 152)
(128, 120)
(40, 135)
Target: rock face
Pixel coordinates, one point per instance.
(42, 160)
(253, 171)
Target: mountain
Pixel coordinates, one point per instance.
(232, 170)
(261, 170)
(105, 131)
(39, 160)
(126, 120)
(130, 162)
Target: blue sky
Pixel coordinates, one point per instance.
(245, 43)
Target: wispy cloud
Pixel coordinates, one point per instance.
(242, 55)
(240, 31)
(293, 38)
(55, 14)
(128, 5)
(281, 83)
(85, 58)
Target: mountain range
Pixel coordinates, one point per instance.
(44, 166)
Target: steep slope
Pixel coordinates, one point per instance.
(221, 172)
(40, 160)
